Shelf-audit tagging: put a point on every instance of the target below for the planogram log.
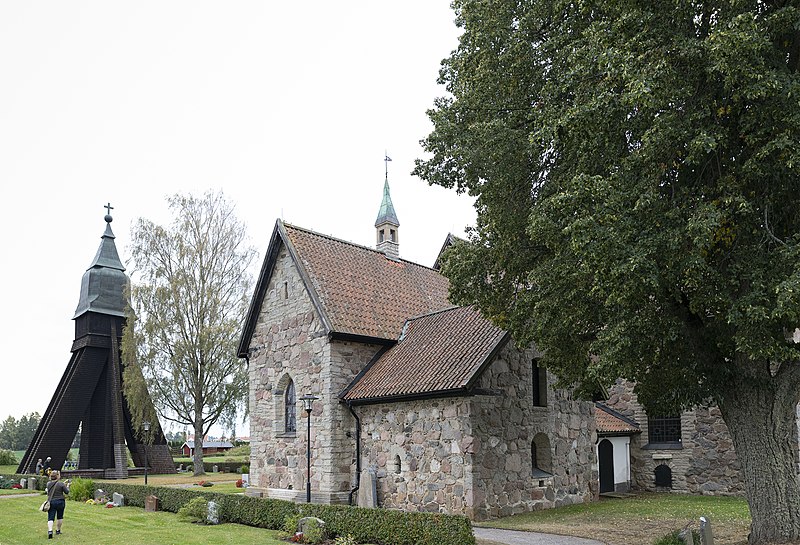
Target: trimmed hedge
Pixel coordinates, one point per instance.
(381, 526)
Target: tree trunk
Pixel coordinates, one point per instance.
(198, 448)
(760, 412)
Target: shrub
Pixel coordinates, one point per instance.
(243, 469)
(7, 458)
(313, 532)
(345, 540)
(387, 527)
(195, 510)
(241, 451)
(290, 524)
(6, 482)
(673, 538)
(81, 489)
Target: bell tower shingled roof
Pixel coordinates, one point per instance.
(387, 225)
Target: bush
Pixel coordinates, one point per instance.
(313, 532)
(7, 458)
(673, 538)
(345, 540)
(195, 510)
(81, 489)
(383, 526)
(241, 451)
(243, 469)
(7, 482)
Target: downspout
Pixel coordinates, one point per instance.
(358, 453)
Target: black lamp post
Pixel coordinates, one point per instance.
(308, 400)
(146, 428)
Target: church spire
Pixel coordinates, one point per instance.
(387, 225)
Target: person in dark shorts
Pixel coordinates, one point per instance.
(55, 491)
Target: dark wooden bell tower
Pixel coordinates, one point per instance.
(90, 391)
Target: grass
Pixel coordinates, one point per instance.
(13, 491)
(131, 525)
(638, 520)
(8, 470)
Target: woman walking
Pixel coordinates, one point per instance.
(55, 491)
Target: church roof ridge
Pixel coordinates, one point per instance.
(351, 243)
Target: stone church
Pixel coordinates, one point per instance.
(426, 403)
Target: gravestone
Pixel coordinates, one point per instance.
(151, 503)
(213, 513)
(367, 489)
(245, 480)
(99, 494)
(31, 484)
(706, 535)
(304, 523)
(216, 469)
(23, 483)
(118, 499)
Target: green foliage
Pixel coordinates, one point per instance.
(244, 469)
(195, 510)
(290, 525)
(365, 525)
(81, 489)
(313, 532)
(7, 458)
(7, 482)
(17, 434)
(345, 540)
(239, 451)
(179, 346)
(673, 538)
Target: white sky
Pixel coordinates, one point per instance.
(286, 106)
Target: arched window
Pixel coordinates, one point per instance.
(663, 474)
(541, 457)
(290, 405)
(397, 464)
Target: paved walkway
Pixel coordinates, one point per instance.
(512, 537)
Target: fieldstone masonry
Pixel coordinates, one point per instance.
(704, 463)
(468, 455)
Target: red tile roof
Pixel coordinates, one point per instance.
(438, 353)
(360, 290)
(610, 422)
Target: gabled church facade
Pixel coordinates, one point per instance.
(429, 401)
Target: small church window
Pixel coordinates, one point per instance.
(397, 464)
(286, 290)
(541, 457)
(290, 418)
(664, 429)
(381, 235)
(392, 235)
(539, 384)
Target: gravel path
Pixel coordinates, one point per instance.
(512, 537)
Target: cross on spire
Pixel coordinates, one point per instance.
(108, 208)
(386, 160)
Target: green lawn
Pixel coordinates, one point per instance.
(129, 525)
(8, 470)
(628, 521)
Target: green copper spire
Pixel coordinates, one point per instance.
(386, 214)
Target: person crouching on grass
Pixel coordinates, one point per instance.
(56, 490)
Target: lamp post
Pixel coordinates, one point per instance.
(308, 400)
(146, 428)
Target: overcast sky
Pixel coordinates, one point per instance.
(286, 106)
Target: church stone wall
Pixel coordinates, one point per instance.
(421, 453)
(290, 342)
(704, 463)
(504, 428)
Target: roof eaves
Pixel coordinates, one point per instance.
(612, 412)
(489, 359)
(435, 394)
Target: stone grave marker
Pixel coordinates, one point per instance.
(213, 513)
(151, 503)
(215, 469)
(118, 499)
(706, 535)
(367, 489)
(98, 494)
(23, 482)
(31, 484)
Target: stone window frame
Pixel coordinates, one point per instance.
(538, 384)
(541, 457)
(281, 408)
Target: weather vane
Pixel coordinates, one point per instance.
(386, 160)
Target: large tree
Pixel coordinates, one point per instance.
(188, 300)
(636, 168)
(17, 434)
